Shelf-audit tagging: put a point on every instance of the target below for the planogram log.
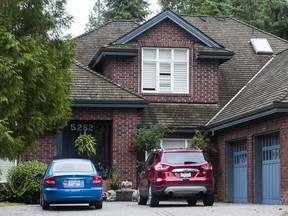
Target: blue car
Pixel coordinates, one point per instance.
(71, 180)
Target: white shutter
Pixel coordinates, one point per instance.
(149, 54)
(5, 165)
(165, 77)
(180, 77)
(180, 55)
(173, 143)
(149, 76)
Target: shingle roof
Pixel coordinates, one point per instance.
(89, 43)
(180, 115)
(235, 36)
(93, 89)
(232, 34)
(265, 92)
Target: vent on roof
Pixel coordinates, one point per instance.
(261, 46)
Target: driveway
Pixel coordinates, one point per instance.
(165, 209)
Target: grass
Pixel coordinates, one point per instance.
(4, 204)
(285, 214)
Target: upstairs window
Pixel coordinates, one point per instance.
(165, 70)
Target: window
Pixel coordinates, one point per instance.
(5, 165)
(165, 70)
(174, 143)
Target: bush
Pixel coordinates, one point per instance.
(22, 185)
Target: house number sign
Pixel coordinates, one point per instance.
(81, 127)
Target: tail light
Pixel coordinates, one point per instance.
(50, 180)
(161, 167)
(97, 180)
(207, 167)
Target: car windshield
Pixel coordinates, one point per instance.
(72, 166)
(183, 157)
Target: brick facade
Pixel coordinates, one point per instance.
(248, 132)
(203, 75)
(124, 125)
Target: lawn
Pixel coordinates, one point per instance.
(3, 204)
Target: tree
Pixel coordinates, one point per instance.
(35, 72)
(108, 10)
(95, 18)
(269, 15)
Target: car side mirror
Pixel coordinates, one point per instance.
(39, 176)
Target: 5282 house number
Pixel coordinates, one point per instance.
(81, 127)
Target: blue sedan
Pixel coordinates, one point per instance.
(71, 180)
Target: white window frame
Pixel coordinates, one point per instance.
(172, 63)
(186, 142)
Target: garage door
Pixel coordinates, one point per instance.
(240, 172)
(271, 169)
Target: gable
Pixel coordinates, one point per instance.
(167, 14)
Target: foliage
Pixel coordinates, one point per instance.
(203, 142)
(22, 185)
(35, 76)
(269, 15)
(148, 138)
(85, 144)
(95, 18)
(108, 10)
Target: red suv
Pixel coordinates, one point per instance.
(175, 174)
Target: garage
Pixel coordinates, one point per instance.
(237, 176)
(267, 169)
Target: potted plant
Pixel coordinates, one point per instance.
(85, 144)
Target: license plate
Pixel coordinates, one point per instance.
(74, 183)
(185, 175)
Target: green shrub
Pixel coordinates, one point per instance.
(22, 185)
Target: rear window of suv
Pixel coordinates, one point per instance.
(183, 157)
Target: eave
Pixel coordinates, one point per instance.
(103, 52)
(108, 104)
(250, 116)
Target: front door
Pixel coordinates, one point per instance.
(101, 130)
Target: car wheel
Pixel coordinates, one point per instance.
(153, 199)
(140, 200)
(98, 204)
(44, 203)
(208, 199)
(192, 201)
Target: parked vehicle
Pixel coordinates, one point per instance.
(71, 181)
(175, 174)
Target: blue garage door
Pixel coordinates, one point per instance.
(271, 169)
(240, 171)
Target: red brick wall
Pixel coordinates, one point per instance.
(203, 75)
(124, 124)
(248, 132)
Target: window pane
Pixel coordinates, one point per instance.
(149, 54)
(149, 76)
(180, 77)
(173, 144)
(180, 55)
(165, 54)
(183, 157)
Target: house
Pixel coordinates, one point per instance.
(189, 72)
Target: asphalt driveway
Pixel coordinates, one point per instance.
(165, 209)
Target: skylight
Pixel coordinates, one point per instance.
(261, 46)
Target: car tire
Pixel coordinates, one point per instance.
(44, 203)
(192, 201)
(208, 199)
(140, 199)
(153, 199)
(98, 204)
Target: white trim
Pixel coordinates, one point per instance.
(217, 114)
(172, 63)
